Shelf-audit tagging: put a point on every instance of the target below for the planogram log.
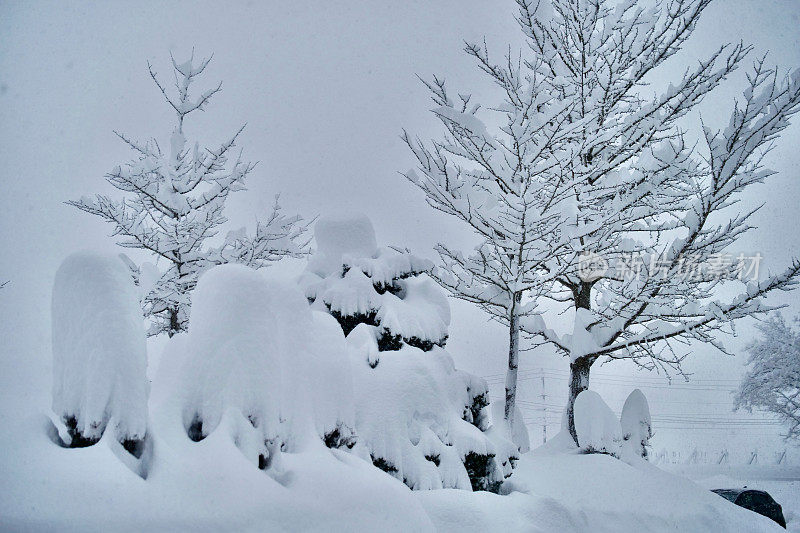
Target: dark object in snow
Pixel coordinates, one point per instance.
(388, 342)
(479, 469)
(757, 501)
(195, 429)
(384, 465)
(340, 436)
(77, 440)
(435, 459)
(135, 447)
(349, 322)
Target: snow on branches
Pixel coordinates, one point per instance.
(772, 382)
(173, 207)
(585, 167)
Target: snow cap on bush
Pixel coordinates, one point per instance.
(255, 348)
(99, 349)
(596, 424)
(636, 425)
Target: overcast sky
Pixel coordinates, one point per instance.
(325, 88)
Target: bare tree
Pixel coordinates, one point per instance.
(772, 382)
(634, 216)
(174, 207)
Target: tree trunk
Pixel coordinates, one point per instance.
(174, 324)
(579, 369)
(578, 382)
(513, 361)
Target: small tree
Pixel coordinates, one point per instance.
(422, 420)
(772, 383)
(587, 176)
(174, 208)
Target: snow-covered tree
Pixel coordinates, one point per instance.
(99, 351)
(630, 214)
(377, 291)
(174, 208)
(417, 417)
(772, 382)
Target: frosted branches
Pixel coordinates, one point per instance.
(772, 380)
(574, 161)
(174, 206)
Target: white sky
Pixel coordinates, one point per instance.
(326, 88)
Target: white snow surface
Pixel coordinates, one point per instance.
(212, 485)
(99, 347)
(423, 312)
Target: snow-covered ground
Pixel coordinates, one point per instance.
(211, 486)
(781, 482)
(267, 377)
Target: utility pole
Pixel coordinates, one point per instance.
(544, 411)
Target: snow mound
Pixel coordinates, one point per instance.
(574, 493)
(413, 414)
(637, 428)
(358, 283)
(256, 352)
(99, 349)
(340, 235)
(596, 425)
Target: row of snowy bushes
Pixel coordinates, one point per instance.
(351, 357)
(600, 431)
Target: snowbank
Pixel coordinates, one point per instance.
(598, 493)
(203, 486)
(417, 417)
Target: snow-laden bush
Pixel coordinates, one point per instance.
(99, 351)
(257, 353)
(596, 425)
(414, 415)
(419, 418)
(637, 428)
(381, 288)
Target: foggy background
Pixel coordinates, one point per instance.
(326, 89)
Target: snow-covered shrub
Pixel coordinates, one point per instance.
(257, 353)
(99, 351)
(420, 419)
(637, 428)
(413, 414)
(596, 425)
(379, 289)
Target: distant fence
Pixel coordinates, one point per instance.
(722, 456)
